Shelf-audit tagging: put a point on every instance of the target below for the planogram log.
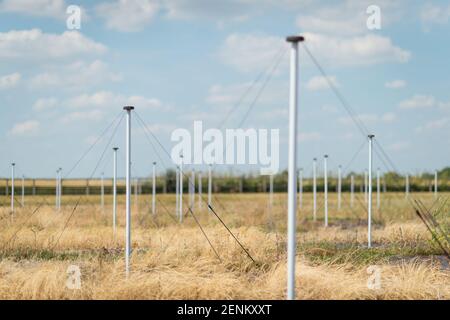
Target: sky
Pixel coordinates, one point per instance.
(178, 61)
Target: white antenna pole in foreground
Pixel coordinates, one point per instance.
(209, 186)
(325, 173)
(128, 192)
(292, 173)
(369, 205)
(315, 189)
(339, 187)
(154, 189)
(115, 192)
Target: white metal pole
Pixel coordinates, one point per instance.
(128, 191)
(200, 191)
(115, 192)
(292, 167)
(352, 190)
(23, 191)
(181, 189)
(339, 187)
(378, 189)
(315, 189)
(369, 205)
(13, 165)
(210, 186)
(325, 173)
(300, 187)
(154, 189)
(435, 184)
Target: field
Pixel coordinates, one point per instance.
(175, 261)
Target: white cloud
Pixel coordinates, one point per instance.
(49, 8)
(395, 84)
(9, 81)
(77, 75)
(45, 104)
(345, 18)
(35, 45)
(309, 136)
(26, 128)
(399, 146)
(418, 102)
(388, 117)
(434, 125)
(369, 118)
(433, 14)
(226, 95)
(362, 50)
(107, 99)
(251, 52)
(128, 15)
(320, 83)
(92, 115)
(445, 106)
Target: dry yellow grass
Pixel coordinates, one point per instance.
(173, 261)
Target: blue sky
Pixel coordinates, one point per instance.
(178, 61)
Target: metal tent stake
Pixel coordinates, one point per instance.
(292, 167)
(128, 192)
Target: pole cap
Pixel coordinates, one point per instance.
(13, 164)
(325, 156)
(371, 136)
(295, 39)
(128, 108)
(115, 149)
